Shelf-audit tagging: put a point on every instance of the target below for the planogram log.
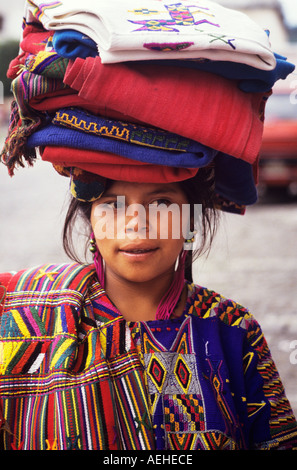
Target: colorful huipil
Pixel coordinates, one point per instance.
(75, 375)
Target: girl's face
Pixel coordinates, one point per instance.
(139, 229)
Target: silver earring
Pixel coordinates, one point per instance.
(192, 239)
(188, 244)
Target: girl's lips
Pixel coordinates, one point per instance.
(134, 247)
(138, 252)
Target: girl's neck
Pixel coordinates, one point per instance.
(138, 301)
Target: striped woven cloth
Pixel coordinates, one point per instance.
(41, 75)
(75, 375)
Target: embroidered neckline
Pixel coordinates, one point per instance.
(112, 313)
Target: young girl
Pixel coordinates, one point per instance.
(150, 361)
(127, 353)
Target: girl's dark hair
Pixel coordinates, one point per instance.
(198, 190)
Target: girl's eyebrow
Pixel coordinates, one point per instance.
(162, 191)
(113, 195)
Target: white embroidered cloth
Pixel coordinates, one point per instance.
(157, 29)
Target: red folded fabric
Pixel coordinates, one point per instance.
(51, 102)
(114, 167)
(34, 41)
(194, 104)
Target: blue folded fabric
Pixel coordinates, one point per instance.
(234, 180)
(82, 120)
(250, 79)
(54, 135)
(72, 44)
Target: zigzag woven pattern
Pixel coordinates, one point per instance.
(76, 119)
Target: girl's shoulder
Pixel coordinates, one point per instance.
(206, 303)
(45, 278)
(64, 272)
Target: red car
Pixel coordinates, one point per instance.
(278, 156)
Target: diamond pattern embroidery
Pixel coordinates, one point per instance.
(173, 384)
(157, 372)
(182, 373)
(171, 373)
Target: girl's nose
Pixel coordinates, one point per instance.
(136, 220)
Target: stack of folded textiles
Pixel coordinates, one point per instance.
(143, 91)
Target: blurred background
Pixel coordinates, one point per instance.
(254, 257)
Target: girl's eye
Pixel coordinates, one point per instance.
(114, 205)
(160, 201)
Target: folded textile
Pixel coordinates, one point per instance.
(79, 119)
(30, 111)
(250, 79)
(57, 136)
(78, 129)
(88, 187)
(34, 39)
(194, 104)
(47, 63)
(45, 76)
(68, 97)
(125, 30)
(84, 186)
(234, 180)
(224, 205)
(53, 135)
(113, 166)
(72, 44)
(46, 69)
